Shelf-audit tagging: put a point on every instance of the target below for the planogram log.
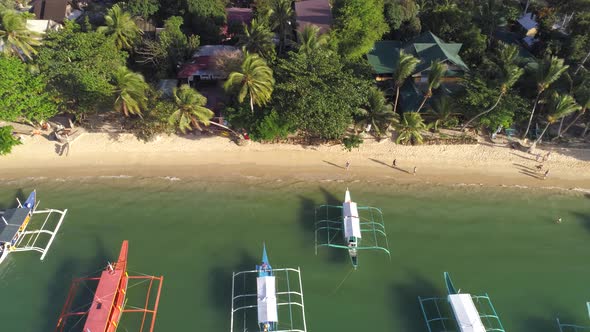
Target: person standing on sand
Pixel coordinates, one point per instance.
(546, 173)
(394, 164)
(415, 170)
(546, 157)
(347, 165)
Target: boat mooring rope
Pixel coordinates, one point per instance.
(342, 282)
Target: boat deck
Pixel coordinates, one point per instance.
(15, 219)
(104, 298)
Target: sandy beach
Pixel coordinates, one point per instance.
(102, 154)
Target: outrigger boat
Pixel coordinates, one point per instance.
(267, 299)
(348, 222)
(468, 316)
(108, 303)
(14, 236)
(14, 222)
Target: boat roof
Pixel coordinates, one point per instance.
(104, 297)
(266, 299)
(467, 316)
(352, 226)
(15, 219)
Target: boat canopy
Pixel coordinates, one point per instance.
(467, 316)
(352, 226)
(267, 299)
(11, 221)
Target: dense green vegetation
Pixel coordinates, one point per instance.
(288, 82)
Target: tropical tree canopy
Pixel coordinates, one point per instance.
(435, 76)
(254, 80)
(409, 129)
(376, 112)
(257, 38)
(282, 17)
(7, 140)
(310, 39)
(190, 110)
(130, 91)
(23, 95)
(17, 39)
(358, 24)
(561, 106)
(406, 64)
(120, 24)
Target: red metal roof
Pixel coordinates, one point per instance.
(316, 12)
(189, 69)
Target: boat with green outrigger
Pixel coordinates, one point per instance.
(572, 327)
(347, 220)
(471, 313)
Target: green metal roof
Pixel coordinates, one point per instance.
(15, 219)
(384, 56)
(427, 47)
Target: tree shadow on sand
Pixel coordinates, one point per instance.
(58, 287)
(220, 281)
(405, 300)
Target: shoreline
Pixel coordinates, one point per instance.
(104, 155)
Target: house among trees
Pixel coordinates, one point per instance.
(236, 16)
(204, 67)
(54, 10)
(316, 12)
(528, 25)
(427, 48)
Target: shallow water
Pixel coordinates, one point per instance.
(499, 241)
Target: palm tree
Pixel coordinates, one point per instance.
(281, 19)
(511, 75)
(406, 63)
(190, 109)
(257, 38)
(583, 95)
(409, 128)
(376, 113)
(130, 89)
(563, 105)
(547, 72)
(17, 39)
(437, 70)
(254, 80)
(120, 24)
(310, 39)
(442, 110)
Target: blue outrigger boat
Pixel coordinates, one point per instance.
(13, 223)
(266, 295)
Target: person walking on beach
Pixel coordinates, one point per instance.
(394, 164)
(414, 170)
(546, 173)
(546, 157)
(347, 165)
(537, 157)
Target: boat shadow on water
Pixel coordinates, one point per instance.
(307, 219)
(220, 281)
(12, 203)
(404, 300)
(59, 285)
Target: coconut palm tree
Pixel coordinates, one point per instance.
(120, 24)
(310, 39)
(562, 105)
(17, 39)
(254, 80)
(410, 128)
(405, 66)
(376, 113)
(281, 19)
(511, 75)
(257, 38)
(546, 72)
(190, 109)
(583, 96)
(435, 75)
(130, 90)
(442, 111)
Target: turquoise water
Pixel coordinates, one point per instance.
(503, 242)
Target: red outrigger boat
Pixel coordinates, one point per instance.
(108, 304)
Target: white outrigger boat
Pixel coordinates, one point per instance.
(14, 236)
